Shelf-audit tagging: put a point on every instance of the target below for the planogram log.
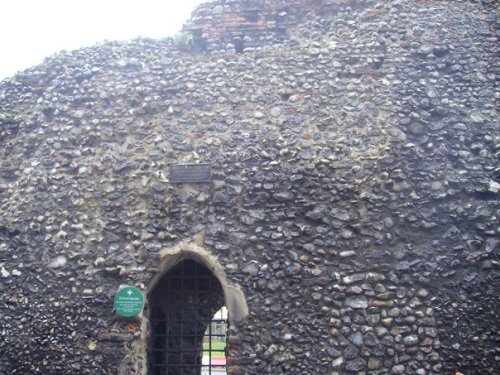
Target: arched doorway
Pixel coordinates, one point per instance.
(183, 304)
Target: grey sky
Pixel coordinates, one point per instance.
(33, 29)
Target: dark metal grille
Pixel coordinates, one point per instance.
(184, 334)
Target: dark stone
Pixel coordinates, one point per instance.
(220, 197)
(351, 352)
(357, 364)
(371, 339)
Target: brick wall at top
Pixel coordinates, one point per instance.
(240, 25)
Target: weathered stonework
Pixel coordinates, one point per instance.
(352, 217)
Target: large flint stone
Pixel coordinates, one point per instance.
(357, 364)
(357, 302)
(356, 338)
(284, 196)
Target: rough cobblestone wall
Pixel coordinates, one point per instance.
(354, 147)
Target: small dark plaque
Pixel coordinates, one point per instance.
(190, 173)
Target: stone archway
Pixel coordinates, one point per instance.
(233, 295)
(233, 299)
(189, 288)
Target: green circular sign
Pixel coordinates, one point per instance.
(129, 302)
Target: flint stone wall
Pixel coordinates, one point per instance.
(354, 150)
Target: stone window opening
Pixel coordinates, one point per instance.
(238, 44)
(188, 321)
